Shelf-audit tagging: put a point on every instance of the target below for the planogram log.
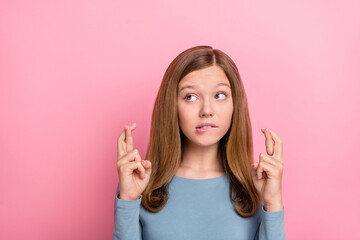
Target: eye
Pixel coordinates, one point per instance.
(222, 95)
(189, 98)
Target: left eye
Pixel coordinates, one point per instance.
(221, 95)
(190, 98)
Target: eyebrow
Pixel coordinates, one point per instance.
(193, 87)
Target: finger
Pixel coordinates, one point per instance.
(120, 145)
(254, 167)
(278, 147)
(129, 138)
(263, 167)
(268, 141)
(270, 159)
(133, 126)
(132, 156)
(146, 164)
(137, 167)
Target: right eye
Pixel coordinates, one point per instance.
(190, 98)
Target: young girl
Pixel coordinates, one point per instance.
(199, 180)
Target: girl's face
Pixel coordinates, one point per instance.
(205, 106)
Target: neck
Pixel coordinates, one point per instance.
(201, 159)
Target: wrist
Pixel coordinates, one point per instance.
(274, 206)
(127, 198)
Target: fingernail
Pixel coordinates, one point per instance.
(263, 129)
(144, 162)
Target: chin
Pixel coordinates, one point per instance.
(206, 143)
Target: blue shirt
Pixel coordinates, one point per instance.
(196, 209)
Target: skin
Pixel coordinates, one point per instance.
(203, 96)
(267, 173)
(134, 173)
(203, 102)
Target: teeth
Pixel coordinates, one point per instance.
(206, 127)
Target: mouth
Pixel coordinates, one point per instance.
(205, 127)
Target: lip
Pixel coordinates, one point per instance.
(206, 124)
(200, 129)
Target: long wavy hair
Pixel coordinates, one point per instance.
(166, 138)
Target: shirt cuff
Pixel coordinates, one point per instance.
(121, 203)
(271, 216)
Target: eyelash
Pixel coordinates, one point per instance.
(222, 93)
(226, 95)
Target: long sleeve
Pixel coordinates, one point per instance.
(126, 219)
(272, 226)
(196, 209)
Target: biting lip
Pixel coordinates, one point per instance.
(206, 125)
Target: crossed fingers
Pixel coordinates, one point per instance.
(270, 164)
(125, 141)
(274, 146)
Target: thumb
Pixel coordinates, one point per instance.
(254, 166)
(146, 164)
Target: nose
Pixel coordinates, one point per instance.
(206, 109)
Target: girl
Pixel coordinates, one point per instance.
(199, 180)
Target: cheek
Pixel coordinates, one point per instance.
(186, 117)
(181, 116)
(180, 111)
(228, 113)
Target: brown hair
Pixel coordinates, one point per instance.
(236, 146)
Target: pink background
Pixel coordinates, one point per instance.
(73, 73)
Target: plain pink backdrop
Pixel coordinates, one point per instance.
(73, 73)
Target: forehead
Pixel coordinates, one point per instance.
(207, 76)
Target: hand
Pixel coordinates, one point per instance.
(267, 173)
(134, 173)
